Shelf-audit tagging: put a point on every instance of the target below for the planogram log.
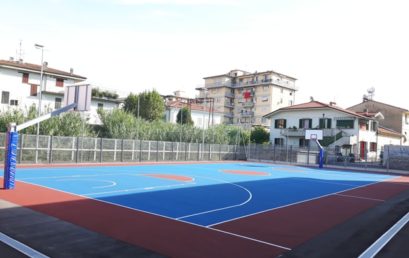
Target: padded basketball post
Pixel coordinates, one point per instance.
(10, 156)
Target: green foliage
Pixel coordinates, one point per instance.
(67, 124)
(131, 104)
(259, 135)
(152, 106)
(96, 92)
(184, 116)
(120, 124)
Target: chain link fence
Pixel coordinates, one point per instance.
(62, 149)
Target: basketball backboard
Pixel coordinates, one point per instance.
(79, 94)
(313, 134)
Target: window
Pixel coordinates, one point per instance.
(407, 119)
(5, 95)
(305, 123)
(57, 103)
(59, 82)
(304, 143)
(25, 78)
(13, 102)
(280, 123)
(264, 99)
(265, 88)
(345, 124)
(372, 146)
(279, 141)
(100, 105)
(290, 102)
(33, 90)
(325, 123)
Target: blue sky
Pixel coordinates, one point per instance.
(336, 49)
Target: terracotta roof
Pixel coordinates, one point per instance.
(366, 101)
(315, 105)
(389, 132)
(193, 106)
(37, 68)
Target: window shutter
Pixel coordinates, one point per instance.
(285, 123)
(322, 123)
(276, 123)
(300, 124)
(329, 123)
(310, 123)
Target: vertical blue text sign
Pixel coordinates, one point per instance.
(11, 160)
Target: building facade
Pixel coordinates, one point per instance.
(245, 97)
(20, 87)
(395, 118)
(343, 130)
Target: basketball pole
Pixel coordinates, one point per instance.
(10, 157)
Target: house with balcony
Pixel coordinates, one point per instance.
(20, 88)
(244, 97)
(396, 119)
(343, 130)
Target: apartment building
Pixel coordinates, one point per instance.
(244, 97)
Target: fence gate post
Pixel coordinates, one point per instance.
(140, 150)
(157, 150)
(274, 153)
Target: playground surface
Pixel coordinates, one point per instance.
(225, 209)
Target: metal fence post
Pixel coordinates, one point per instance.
(220, 151)
(101, 149)
(77, 151)
(140, 150)
(274, 153)
(157, 150)
(122, 150)
(308, 154)
(50, 153)
(20, 156)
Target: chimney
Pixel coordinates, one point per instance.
(71, 70)
(332, 103)
(11, 58)
(45, 64)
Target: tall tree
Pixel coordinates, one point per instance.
(131, 104)
(184, 116)
(259, 135)
(151, 105)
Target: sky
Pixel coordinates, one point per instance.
(336, 49)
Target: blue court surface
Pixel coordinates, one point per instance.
(202, 194)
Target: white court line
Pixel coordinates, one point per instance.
(22, 248)
(291, 204)
(360, 197)
(377, 246)
(138, 189)
(111, 183)
(162, 216)
(223, 208)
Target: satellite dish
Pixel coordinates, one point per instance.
(371, 90)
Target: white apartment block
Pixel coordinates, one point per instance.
(20, 87)
(245, 97)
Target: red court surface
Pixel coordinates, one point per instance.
(251, 236)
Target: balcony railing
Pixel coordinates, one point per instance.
(285, 84)
(218, 84)
(229, 104)
(247, 114)
(229, 115)
(248, 104)
(300, 132)
(229, 95)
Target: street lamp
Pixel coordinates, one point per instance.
(38, 46)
